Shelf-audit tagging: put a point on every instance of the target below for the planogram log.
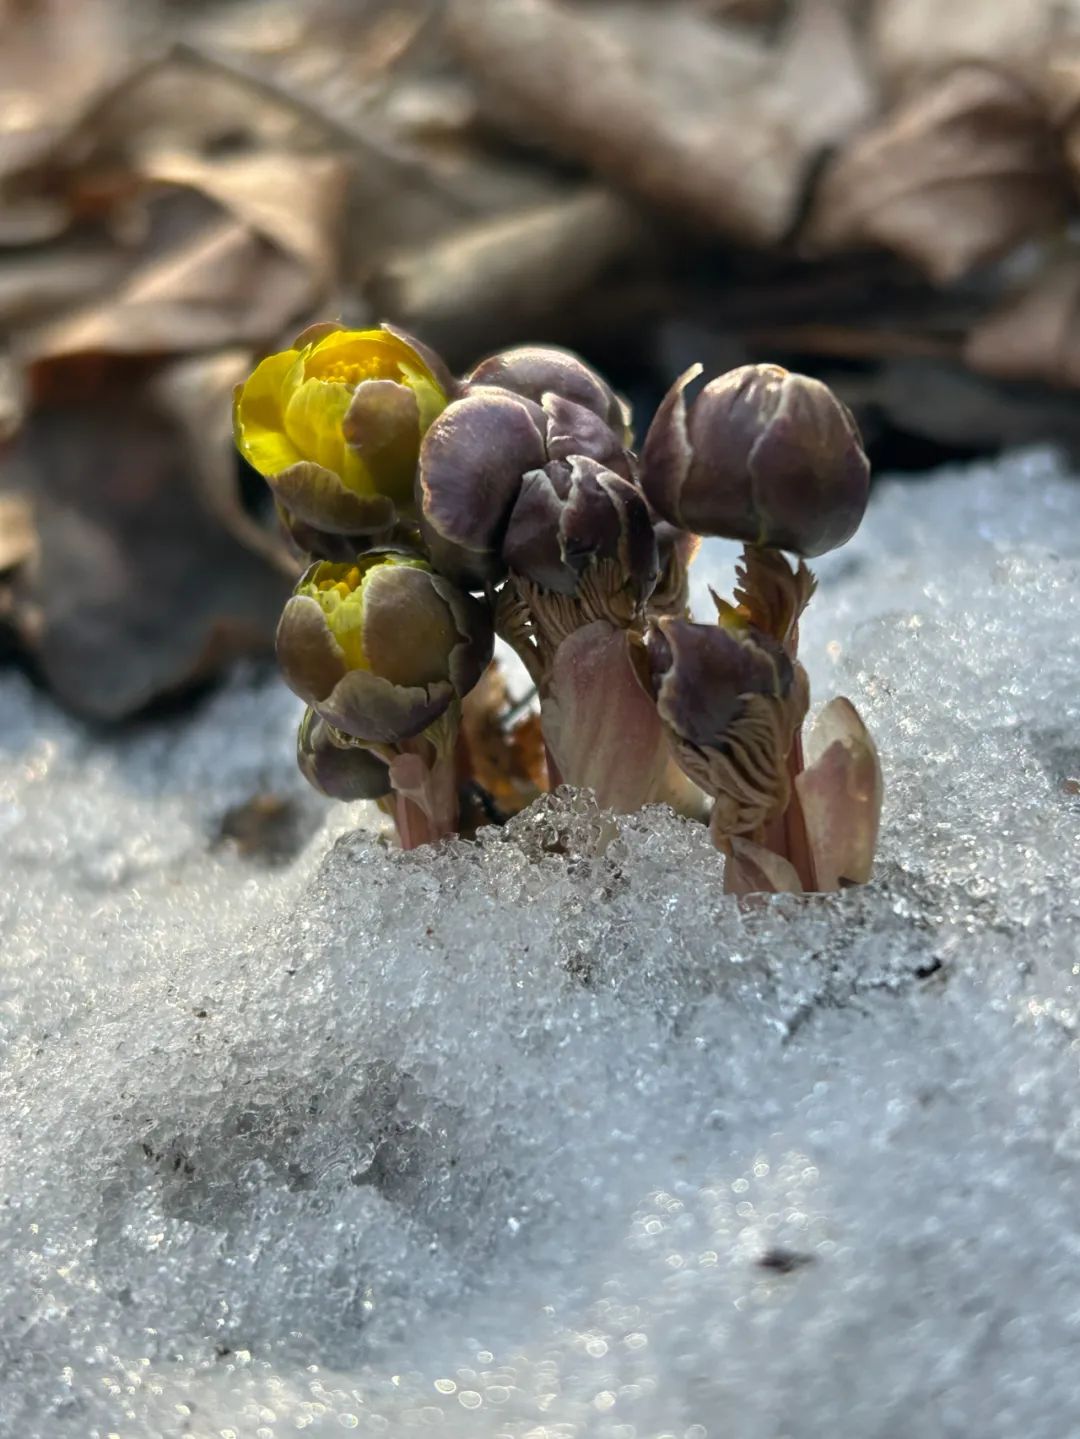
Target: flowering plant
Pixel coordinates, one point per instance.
(437, 511)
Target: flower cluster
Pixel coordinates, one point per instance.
(437, 511)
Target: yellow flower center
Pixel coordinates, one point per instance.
(339, 590)
(344, 587)
(352, 372)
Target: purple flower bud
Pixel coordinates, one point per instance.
(761, 455)
(336, 765)
(538, 370)
(572, 429)
(471, 464)
(574, 521)
(731, 700)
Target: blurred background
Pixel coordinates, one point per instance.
(882, 193)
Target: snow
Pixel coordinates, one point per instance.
(544, 1137)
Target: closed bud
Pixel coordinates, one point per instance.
(538, 370)
(474, 459)
(580, 530)
(731, 700)
(471, 464)
(334, 425)
(337, 765)
(761, 455)
(380, 648)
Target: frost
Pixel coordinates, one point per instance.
(544, 1136)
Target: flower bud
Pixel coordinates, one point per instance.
(761, 455)
(731, 700)
(472, 463)
(334, 425)
(337, 765)
(538, 370)
(579, 530)
(381, 647)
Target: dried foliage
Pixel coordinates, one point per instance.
(878, 191)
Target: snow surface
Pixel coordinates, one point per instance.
(512, 1139)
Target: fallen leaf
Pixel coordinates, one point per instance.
(685, 118)
(18, 536)
(504, 757)
(196, 393)
(1035, 333)
(913, 41)
(136, 590)
(956, 176)
(502, 277)
(234, 254)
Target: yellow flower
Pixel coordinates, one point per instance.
(335, 423)
(380, 647)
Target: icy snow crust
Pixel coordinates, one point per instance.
(514, 1140)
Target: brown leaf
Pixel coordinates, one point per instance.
(12, 397)
(18, 536)
(821, 86)
(497, 278)
(293, 201)
(236, 252)
(663, 103)
(956, 176)
(37, 283)
(196, 393)
(506, 760)
(55, 56)
(1035, 334)
(137, 590)
(916, 40)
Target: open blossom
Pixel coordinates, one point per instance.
(334, 425)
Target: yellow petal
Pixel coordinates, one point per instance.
(260, 414)
(313, 419)
(429, 395)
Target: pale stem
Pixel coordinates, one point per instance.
(423, 772)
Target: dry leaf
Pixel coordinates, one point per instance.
(236, 252)
(137, 590)
(18, 536)
(1035, 334)
(821, 87)
(914, 40)
(196, 394)
(683, 119)
(505, 759)
(499, 278)
(955, 177)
